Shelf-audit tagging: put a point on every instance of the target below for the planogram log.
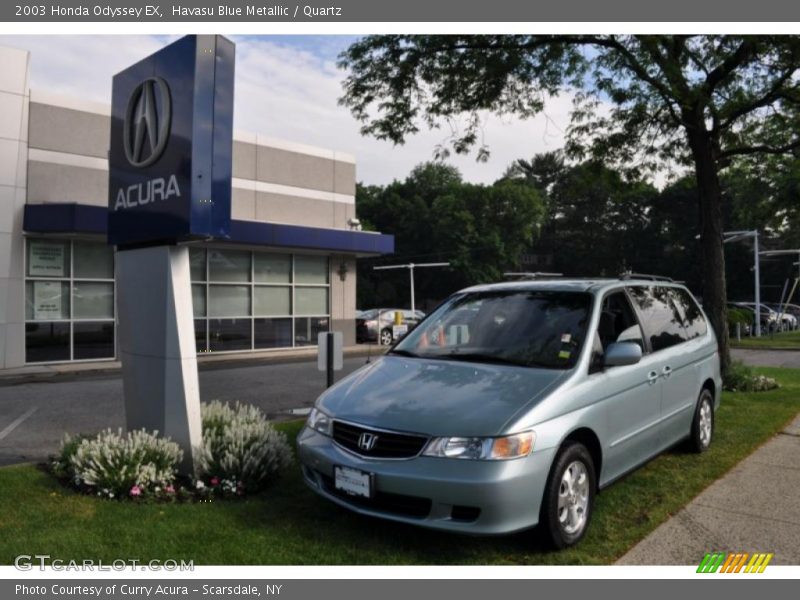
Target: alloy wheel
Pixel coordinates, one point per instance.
(573, 498)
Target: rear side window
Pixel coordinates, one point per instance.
(693, 319)
(660, 316)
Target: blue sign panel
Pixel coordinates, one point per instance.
(171, 144)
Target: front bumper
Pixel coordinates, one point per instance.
(466, 496)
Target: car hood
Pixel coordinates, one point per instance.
(438, 397)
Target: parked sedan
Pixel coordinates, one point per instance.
(788, 314)
(769, 318)
(367, 329)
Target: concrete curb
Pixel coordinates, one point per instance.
(770, 348)
(209, 362)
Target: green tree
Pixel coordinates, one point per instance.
(699, 100)
(481, 230)
(596, 221)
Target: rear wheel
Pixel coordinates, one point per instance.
(569, 496)
(386, 337)
(703, 423)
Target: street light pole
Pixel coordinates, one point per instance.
(411, 267)
(411, 274)
(735, 236)
(757, 264)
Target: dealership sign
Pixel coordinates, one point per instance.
(171, 142)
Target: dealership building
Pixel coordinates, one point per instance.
(287, 271)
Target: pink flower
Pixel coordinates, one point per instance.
(215, 481)
(169, 489)
(136, 491)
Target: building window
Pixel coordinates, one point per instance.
(69, 301)
(241, 300)
(255, 300)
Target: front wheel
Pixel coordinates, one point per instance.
(569, 496)
(703, 423)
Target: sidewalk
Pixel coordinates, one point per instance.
(754, 508)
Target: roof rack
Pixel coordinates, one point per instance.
(629, 275)
(527, 275)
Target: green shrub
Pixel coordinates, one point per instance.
(62, 462)
(740, 378)
(739, 315)
(241, 451)
(117, 464)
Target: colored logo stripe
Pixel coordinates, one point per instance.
(711, 562)
(734, 562)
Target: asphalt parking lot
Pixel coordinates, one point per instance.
(34, 415)
(786, 359)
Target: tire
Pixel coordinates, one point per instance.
(566, 514)
(385, 338)
(702, 431)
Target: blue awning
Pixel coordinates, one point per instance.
(81, 218)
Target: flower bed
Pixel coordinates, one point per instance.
(241, 453)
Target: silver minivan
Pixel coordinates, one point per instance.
(512, 404)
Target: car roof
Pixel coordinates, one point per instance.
(565, 284)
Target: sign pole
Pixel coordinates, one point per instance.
(330, 353)
(157, 347)
(329, 362)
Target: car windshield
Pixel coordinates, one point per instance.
(529, 328)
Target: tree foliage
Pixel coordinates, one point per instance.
(481, 230)
(640, 101)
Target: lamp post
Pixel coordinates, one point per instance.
(735, 236)
(411, 267)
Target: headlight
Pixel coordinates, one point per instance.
(481, 448)
(320, 422)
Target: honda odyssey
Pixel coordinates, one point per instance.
(513, 404)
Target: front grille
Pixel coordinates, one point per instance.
(386, 445)
(396, 504)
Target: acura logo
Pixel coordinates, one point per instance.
(147, 122)
(367, 441)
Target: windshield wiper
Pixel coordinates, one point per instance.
(481, 358)
(407, 353)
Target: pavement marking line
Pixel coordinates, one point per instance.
(14, 424)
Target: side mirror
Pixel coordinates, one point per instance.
(620, 354)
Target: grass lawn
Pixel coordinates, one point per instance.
(289, 524)
(789, 339)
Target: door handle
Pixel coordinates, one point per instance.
(667, 371)
(652, 377)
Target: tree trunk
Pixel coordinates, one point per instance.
(713, 255)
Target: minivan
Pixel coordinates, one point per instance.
(512, 404)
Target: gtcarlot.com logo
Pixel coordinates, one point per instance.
(734, 562)
(42, 562)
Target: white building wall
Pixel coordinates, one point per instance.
(14, 106)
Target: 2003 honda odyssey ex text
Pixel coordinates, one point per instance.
(513, 403)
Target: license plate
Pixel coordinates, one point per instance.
(353, 481)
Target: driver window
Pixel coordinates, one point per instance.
(617, 324)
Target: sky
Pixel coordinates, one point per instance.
(288, 87)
